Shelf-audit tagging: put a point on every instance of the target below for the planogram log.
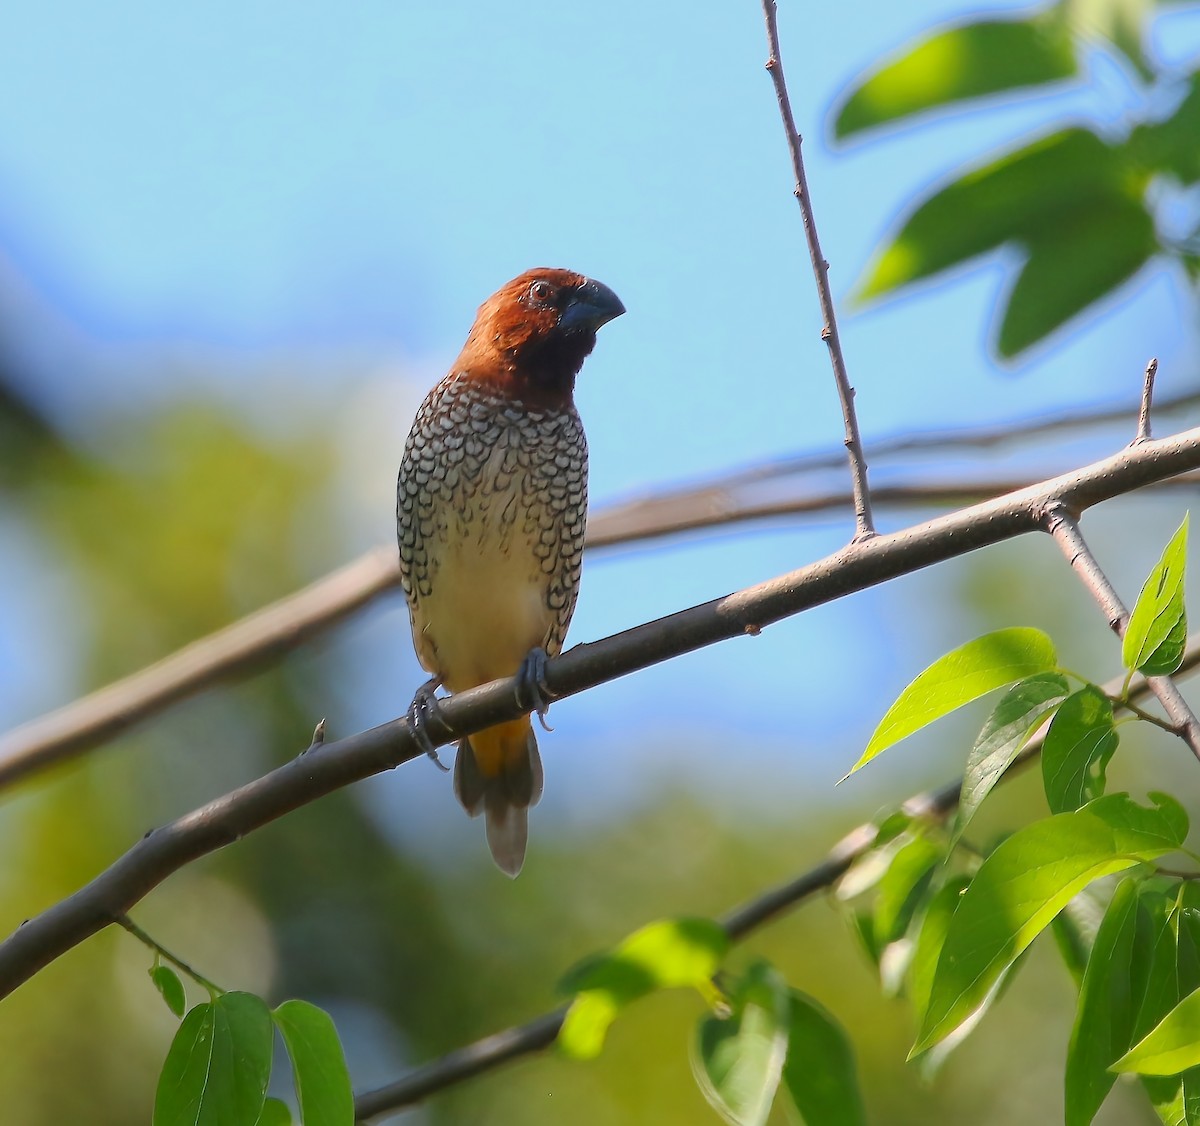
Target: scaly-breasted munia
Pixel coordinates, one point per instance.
(490, 510)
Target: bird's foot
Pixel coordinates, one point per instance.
(424, 707)
(532, 687)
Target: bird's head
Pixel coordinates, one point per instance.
(533, 334)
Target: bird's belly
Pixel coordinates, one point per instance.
(486, 609)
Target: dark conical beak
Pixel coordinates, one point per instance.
(593, 304)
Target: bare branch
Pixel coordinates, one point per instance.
(249, 642)
(102, 715)
(864, 523)
(970, 438)
(330, 766)
(275, 629)
(1064, 529)
(538, 1034)
(1143, 430)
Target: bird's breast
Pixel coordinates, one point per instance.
(492, 506)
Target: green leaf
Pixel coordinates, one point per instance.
(318, 1064)
(902, 887)
(1015, 718)
(1029, 878)
(1009, 198)
(970, 671)
(1083, 255)
(1157, 631)
(863, 925)
(956, 64)
(668, 954)
(935, 923)
(167, 982)
(1078, 746)
(1167, 980)
(819, 1075)
(1104, 1018)
(738, 1059)
(1170, 145)
(275, 1113)
(218, 1065)
(1172, 1046)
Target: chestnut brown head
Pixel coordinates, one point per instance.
(533, 334)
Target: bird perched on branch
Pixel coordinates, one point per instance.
(490, 512)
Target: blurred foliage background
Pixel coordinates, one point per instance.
(127, 531)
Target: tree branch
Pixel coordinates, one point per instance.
(330, 766)
(245, 644)
(538, 1034)
(1064, 528)
(864, 523)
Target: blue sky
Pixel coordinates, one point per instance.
(337, 187)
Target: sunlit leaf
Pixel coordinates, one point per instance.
(167, 982)
(1107, 1009)
(1157, 631)
(738, 1059)
(1078, 746)
(1009, 198)
(668, 954)
(218, 1065)
(956, 64)
(820, 1075)
(1075, 258)
(1015, 718)
(1025, 882)
(1172, 1046)
(989, 662)
(318, 1064)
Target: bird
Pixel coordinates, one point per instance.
(491, 510)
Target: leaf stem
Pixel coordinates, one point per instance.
(166, 955)
(1149, 717)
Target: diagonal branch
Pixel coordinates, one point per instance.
(864, 524)
(1064, 529)
(255, 639)
(330, 766)
(538, 1034)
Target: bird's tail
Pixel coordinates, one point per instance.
(498, 772)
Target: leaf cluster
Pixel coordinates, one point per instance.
(1078, 206)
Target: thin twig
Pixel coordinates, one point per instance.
(331, 766)
(969, 438)
(158, 948)
(1143, 430)
(863, 521)
(538, 1034)
(1063, 527)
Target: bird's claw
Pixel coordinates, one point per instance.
(424, 706)
(532, 687)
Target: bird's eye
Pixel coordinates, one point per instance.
(540, 291)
